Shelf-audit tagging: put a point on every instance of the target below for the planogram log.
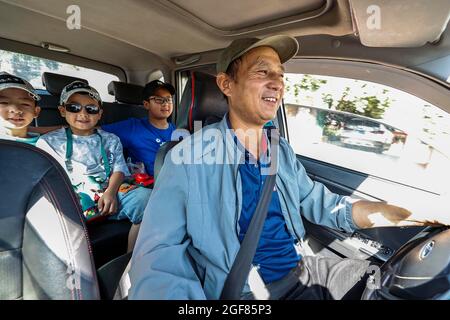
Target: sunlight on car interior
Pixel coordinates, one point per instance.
(129, 171)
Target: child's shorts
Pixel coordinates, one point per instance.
(132, 205)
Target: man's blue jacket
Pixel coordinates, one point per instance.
(188, 239)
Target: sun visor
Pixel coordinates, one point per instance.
(400, 23)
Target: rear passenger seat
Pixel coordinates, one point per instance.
(128, 102)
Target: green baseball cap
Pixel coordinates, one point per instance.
(285, 46)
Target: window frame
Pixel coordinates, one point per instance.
(69, 58)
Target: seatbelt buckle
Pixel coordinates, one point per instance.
(303, 248)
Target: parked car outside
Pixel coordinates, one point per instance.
(366, 134)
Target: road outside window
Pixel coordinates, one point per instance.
(370, 128)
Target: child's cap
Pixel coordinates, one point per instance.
(76, 87)
(10, 81)
(151, 87)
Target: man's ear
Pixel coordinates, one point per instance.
(224, 83)
(62, 111)
(37, 110)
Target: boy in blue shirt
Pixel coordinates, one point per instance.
(18, 108)
(141, 138)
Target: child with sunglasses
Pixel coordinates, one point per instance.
(18, 108)
(94, 160)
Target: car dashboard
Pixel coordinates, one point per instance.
(375, 243)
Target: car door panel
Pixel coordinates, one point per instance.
(378, 243)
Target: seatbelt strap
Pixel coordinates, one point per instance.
(239, 272)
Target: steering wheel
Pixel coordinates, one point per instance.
(420, 269)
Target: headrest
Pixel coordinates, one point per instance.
(202, 100)
(126, 92)
(54, 83)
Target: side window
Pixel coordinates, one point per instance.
(370, 128)
(31, 68)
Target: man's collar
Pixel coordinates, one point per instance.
(265, 146)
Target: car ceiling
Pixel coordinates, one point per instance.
(131, 33)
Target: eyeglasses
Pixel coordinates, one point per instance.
(161, 100)
(76, 107)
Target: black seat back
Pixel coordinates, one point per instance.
(201, 101)
(44, 247)
(160, 156)
(54, 82)
(49, 115)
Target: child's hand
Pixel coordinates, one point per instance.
(107, 204)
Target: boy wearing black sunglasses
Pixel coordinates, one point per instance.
(94, 160)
